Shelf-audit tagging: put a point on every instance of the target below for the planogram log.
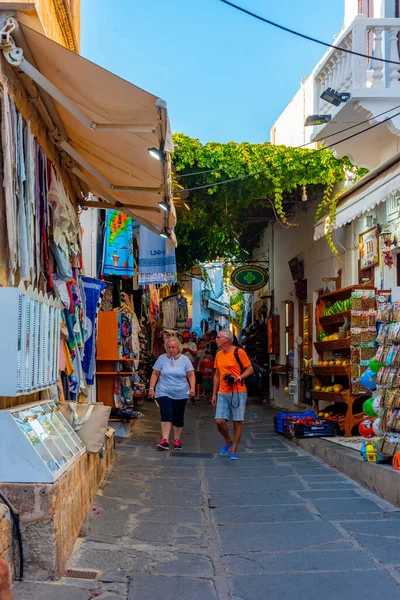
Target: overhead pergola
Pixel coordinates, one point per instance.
(105, 124)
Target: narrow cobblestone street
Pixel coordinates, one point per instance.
(276, 524)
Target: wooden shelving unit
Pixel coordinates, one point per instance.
(107, 357)
(335, 319)
(328, 375)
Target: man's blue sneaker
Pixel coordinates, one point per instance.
(234, 456)
(226, 449)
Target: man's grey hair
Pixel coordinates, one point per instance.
(173, 339)
(227, 333)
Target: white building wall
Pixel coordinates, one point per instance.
(289, 128)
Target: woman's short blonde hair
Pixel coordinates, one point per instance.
(173, 339)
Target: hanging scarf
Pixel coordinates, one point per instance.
(94, 292)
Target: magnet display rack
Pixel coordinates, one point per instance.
(352, 395)
(29, 353)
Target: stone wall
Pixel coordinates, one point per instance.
(6, 550)
(52, 514)
(57, 19)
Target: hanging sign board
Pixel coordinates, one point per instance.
(249, 278)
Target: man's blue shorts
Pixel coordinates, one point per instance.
(231, 406)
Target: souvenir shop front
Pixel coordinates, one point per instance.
(356, 367)
(353, 377)
(64, 139)
(137, 271)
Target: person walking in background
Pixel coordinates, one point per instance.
(207, 371)
(201, 351)
(189, 348)
(172, 383)
(230, 394)
(5, 591)
(213, 343)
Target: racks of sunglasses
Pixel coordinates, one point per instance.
(29, 353)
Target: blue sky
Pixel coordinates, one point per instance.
(225, 76)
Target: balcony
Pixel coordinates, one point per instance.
(374, 87)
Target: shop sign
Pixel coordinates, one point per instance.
(249, 278)
(369, 248)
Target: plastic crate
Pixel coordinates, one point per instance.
(318, 430)
(279, 424)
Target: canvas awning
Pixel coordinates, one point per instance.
(105, 124)
(375, 189)
(219, 307)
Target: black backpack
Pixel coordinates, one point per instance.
(253, 383)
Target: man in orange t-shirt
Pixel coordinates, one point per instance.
(230, 394)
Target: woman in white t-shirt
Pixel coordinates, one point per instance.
(172, 383)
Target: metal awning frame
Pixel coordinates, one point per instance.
(15, 57)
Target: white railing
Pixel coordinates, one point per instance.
(343, 72)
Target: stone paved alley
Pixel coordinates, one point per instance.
(276, 524)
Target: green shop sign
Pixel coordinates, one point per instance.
(249, 278)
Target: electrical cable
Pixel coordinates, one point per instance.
(325, 137)
(306, 37)
(15, 519)
(294, 160)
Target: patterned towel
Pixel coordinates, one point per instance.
(118, 245)
(155, 264)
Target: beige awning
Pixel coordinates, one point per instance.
(104, 123)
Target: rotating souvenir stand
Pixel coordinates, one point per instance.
(335, 310)
(29, 353)
(388, 378)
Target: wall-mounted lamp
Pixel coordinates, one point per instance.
(158, 153)
(164, 206)
(317, 120)
(333, 97)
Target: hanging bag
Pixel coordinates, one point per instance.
(90, 422)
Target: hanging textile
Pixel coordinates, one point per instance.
(155, 265)
(23, 252)
(170, 312)
(183, 313)
(9, 167)
(93, 289)
(30, 196)
(118, 245)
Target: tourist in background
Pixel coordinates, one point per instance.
(201, 351)
(206, 368)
